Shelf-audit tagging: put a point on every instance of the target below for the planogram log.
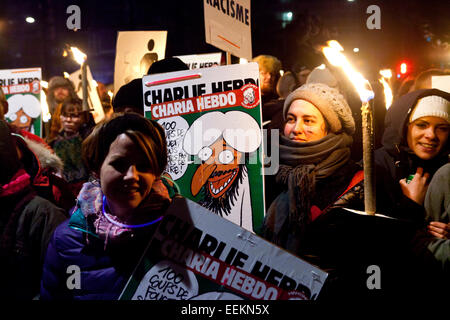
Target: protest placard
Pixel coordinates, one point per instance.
(441, 83)
(94, 102)
(195, 254)
(22, 88)
(199, 61)
(212, 119)
(228, 26)
(135, 53)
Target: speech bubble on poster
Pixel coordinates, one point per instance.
(167, 281)
(177, 160)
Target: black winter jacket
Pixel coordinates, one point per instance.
(395, 161)
(27, 221)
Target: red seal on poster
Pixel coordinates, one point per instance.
(250, 96)
(36, 87)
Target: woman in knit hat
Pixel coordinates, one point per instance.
(415, 145)
(315, 172)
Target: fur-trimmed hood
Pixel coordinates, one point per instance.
(47, 159)
(38, 160)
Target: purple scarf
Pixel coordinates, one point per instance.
(90, 202)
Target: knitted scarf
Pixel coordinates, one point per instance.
(90, 203)
(302, 164)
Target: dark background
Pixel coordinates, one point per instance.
(416, 31)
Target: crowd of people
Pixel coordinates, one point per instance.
(92, 195)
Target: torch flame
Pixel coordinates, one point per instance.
(66, 75)
(333, 53)
(386, 73)
(44, 106)
(388, 97)
(78, 55)
(110, 94)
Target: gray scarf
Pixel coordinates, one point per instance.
(302, 163)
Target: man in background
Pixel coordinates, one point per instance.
(269, 73)
(60, 89)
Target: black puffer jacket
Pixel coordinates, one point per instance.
(395, 161)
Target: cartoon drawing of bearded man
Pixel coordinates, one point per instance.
(221, 141)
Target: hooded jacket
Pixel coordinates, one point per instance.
(26, 223)
(395, 161)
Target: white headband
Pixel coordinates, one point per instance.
(431, 106)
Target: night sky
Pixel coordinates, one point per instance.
(416, 31)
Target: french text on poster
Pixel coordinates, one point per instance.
(228, 26)
(200, 61)
(195, 254)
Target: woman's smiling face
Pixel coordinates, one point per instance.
(126, 176)
(304, 122)
(427, 136)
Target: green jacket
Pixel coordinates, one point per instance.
(437, 207)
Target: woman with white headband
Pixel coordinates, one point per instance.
(415, 145)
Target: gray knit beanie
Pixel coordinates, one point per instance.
(330, 103)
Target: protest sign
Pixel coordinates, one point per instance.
(441, 83)
(212, 120)
(199, 61)
(135, 53)
(195, 254)
(94, 102)
(22, 88)
(228, 26)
